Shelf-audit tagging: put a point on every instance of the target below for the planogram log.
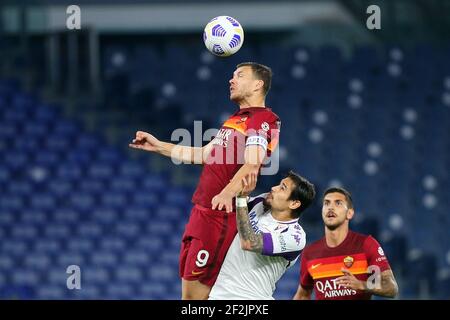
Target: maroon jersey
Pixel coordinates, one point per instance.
(249, 126)
(321, 265)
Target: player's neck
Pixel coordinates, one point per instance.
(335, 237)
(281, 215)
(252, 102)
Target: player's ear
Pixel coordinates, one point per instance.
(350, 214)
(259, 84)
(294, 204)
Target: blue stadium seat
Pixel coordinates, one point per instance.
(128, 274)
(109, 155)
(38, 261)
(137, 258)
(155, 290)
(25, 277)
(35, 129)
(82, 201)
(117, 200)
(124, 184)
(45, 114)
(163, 272)
(92, 186)
(79, 156)
(14, 247)
(101, 170)
(16, 160)
(138, 213)
(43, 201)
(152, 243)
(113, 244)
(11, 202)
(88, 292)
(127, 230)
(46, 246)
(96, 275)
(69, 172)
(57, 231)
(104, 215)
(87, 142)
(20, 231)
(146, 200)
(104, 258)
(47, 158)
(8, 131)
(171, 212)
(119, 291)
(6, 263)
(22, 188)
(66, 215)
(421, 280)
(159, 227)
(80, 245)
(89, 230)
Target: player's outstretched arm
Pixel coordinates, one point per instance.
(185, 154)
(250, 240)
(302, 293)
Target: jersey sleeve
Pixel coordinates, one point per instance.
(375, 254)
(263, 129)
(288, 242)
(306, 281)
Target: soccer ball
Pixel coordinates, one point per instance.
(223, 36)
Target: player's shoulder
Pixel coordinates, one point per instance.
(366, 240)
(358, 235)
(361, 237)
(313, 246)
(265, 113)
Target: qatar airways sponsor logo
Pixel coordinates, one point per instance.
(330, 289)
(225, 140)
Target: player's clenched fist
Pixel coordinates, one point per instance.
(145, 141)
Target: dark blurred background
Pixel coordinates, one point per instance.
(368, 110)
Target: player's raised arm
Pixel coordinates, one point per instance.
(186, 154)
(250, 240)
(254, 156)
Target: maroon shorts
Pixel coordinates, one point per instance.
(206, 240)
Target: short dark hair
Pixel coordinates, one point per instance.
(303, 191)
(348, 196)
(261, 72)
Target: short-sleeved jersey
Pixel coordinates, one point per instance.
(249, 275)
(321, 265)
(248, 126)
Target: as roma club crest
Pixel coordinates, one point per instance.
(348, 261)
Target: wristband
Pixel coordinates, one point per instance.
(241, 202)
